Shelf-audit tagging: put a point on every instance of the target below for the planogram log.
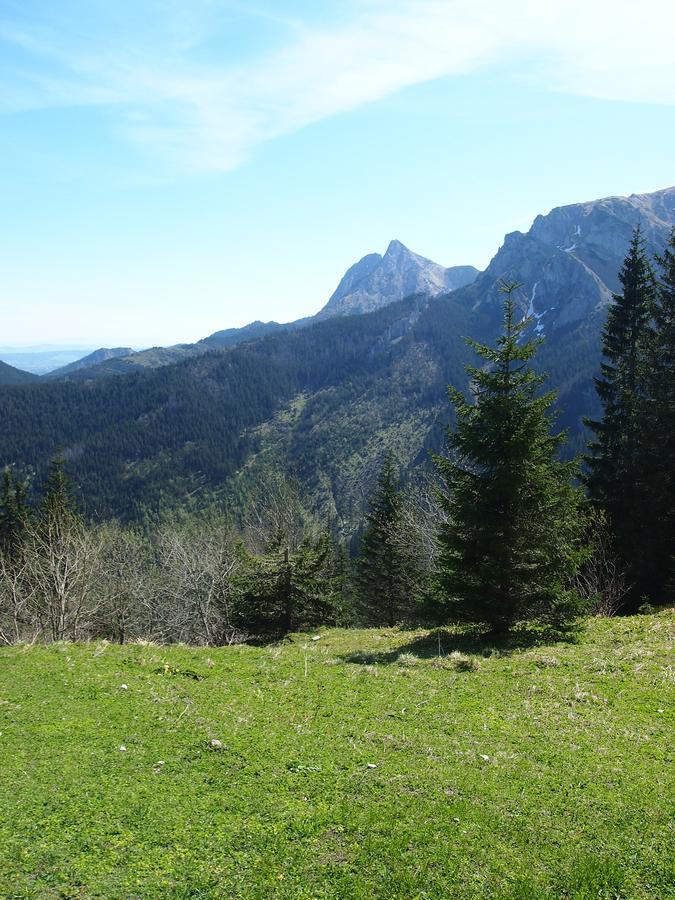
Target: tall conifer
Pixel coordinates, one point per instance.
(617, 478)
(660, 433)
(512, 539)
(13, 513)
(381, 580)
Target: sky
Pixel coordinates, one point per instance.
(172, 168)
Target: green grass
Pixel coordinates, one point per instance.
(537, 773)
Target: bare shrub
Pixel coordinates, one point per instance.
(62, 575)
(602, 582)
(17, 622)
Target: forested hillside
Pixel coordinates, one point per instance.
(325, 401)
(11, 375)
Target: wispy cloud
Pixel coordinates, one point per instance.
(209, 110)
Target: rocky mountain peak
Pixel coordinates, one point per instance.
(568, 262)
(376, 280)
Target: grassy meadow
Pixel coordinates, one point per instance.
(365, 764)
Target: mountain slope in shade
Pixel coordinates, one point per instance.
(10, 376)
(376, 281)
(92, 359)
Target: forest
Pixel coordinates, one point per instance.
(504, 528)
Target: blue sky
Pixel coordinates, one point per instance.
(173, 168)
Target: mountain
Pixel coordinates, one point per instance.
(326, 400)
(128, 361)
(377, 280)
(230, 337)
(10, 375)
(92, 359)
(39, 360)
(370, 284)
(568, 262)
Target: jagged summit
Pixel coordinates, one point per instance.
(568, 262)
(377, 280)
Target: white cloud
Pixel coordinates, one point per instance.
(210, 114)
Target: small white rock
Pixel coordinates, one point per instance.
(215, 744)
(484, 757)
(123, 749)
(371, 766)
(124, 687)
(317, 637)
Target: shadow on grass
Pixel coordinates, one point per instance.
(471, 641)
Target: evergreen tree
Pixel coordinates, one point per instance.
(659, 434)
(381, 576)
(512, 539)
(14, 513)
(617, 462)
(287, 589)
(58, 499)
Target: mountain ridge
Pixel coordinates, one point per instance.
(326, 400)
(376, 280)
(10, 375)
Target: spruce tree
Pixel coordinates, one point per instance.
(617, 479)
(288, 589)
(58, 498)
(14, 513)
(512, 540)
(381, 582)
(659, 434)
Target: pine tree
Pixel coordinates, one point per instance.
(617, 463)
(659, 434)
(512, 540)
(381, 582)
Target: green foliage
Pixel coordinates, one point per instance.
(287, 589)
(520, 779)
(658, 537)
(619, 466)
(382, 582)
(512, 540)
(323, 402)
(14, 513)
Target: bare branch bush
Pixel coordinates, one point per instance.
(17, 622)
(602, 581)
(63, 574)
(418, 531)
(127, 582)
(275, 515)
(198, 566)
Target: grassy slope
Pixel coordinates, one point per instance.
(542, 774)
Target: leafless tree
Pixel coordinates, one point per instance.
(62, 569)
(198, 565)
(127, 580)
(275, 515)
(17, 621)
(602, 580)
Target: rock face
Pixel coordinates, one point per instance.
(568, 262)
(376, 281)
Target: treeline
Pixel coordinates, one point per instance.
(505, 531)
(142, 444)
